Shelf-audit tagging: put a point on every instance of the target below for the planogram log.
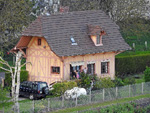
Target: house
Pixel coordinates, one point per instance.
(58, 44)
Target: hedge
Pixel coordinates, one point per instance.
(132, 64)
(60, 88)
(23, 77)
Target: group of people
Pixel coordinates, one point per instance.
(76, 74)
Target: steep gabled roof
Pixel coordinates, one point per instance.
(58, 28)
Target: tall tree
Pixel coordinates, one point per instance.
(15, 75)
(126, 9)
(116, 9)
(14, 15)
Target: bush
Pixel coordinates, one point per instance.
(105, 82)
(85, 80)
(147, 74)
(8, 80)
(129, 80)
(60, 88)
(133, 64)
(23, 77)
(118, 82)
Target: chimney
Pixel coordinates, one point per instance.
(64, 9)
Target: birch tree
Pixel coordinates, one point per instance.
(15, 73)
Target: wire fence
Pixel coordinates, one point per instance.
(96, 96)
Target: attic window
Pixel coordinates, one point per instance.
(73, 42)
(96, 33)
(98, 39)
(39, 42)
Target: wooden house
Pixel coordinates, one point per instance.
(58, 44)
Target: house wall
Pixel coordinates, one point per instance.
(42, 58)
(97, 58)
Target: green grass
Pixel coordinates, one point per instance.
(78, 108)
(140, 80)
(133, 53)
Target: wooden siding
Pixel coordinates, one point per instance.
(42, 59)
(97, 58)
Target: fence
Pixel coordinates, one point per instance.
(97, 96)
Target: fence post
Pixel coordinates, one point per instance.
(103, 94)
(62, 101)
(33, 106)
(76, 100)
(116, 92)
(3, 109)
(48, 104)
(129, 90)
(90, 96)
(142, 87)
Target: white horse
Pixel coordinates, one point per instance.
(75, 92)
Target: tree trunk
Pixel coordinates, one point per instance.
(19, 54)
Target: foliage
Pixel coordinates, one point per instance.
(3, 97)
(117, 9)
(23, 77)
(129, 80)
(118, 82)
(60, 88)
(85, 80)
(8, 79)
(15, 14)
(147, 74)
(105, 82)
(133, 64)
(124, 108)
(136, 30)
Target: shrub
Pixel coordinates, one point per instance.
(23, 77)
(85, 80)
(105, 82)
(132, 64)
(147, 74)
(129, 80)
(8, 80)
(60, 88)
(118, 82)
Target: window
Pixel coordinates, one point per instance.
(39, 42)
(56, 70)
(91, 68)
(73, 41)
(104, 67)
(98, 39)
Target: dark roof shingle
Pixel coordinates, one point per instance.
(58, 28)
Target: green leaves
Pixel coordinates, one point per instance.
(14, 14)
(147, 74)
(60, 88)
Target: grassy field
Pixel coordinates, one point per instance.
(79, 108)
(133, 53)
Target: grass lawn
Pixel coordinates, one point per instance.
(141, 79)
(78, 108)
(133, 53)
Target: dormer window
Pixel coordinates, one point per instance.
(73, 42)
(98, 39)
(96, 33)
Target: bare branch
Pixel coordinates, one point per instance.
(2, 61)
(5, 69)
(25, 64)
